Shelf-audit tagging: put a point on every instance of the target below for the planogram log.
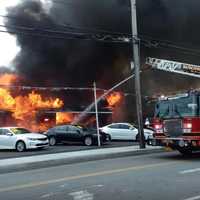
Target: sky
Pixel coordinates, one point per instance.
(8, 48)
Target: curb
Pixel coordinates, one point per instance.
(51, 162)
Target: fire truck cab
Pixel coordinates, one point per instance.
(177, 122)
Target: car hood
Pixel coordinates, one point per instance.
(33, 135)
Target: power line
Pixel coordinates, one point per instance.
(64, 37)
(150, 41)
(166, 43)
(68, 26)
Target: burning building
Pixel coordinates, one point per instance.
(55, 60)
(37, 111)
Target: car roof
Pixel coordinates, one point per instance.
(9, 127)
(125, 123)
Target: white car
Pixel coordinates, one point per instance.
(125, 131)
(21, 139)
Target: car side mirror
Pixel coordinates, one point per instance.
(9, 134)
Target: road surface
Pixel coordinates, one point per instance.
(154, 176)
(62, 148)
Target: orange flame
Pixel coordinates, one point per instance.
(7, 79)
(114, 99)
(24, 108)
(62, 118)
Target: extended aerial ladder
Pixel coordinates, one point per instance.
(174, 67)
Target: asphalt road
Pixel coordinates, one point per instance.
(61, 148)
(160, 176)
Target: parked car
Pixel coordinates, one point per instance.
(125, 131)
(73, 133)
(21, 139)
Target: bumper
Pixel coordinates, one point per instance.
(175, 142)
(103, 139)
(37, 144)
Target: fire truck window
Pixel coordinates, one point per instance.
(163, 109)
(185, 107)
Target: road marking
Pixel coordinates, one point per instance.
(190, 171)
(71, 178)
(47, 195)
(193, 198)
(82, 195)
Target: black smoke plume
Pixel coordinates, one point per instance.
(59, 62)
(72, 62)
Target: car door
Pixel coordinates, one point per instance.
(7, 139)
(61, 133)
(74, 133)
(125, 132)
(133, 132)
(114, 131)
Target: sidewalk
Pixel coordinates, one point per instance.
(39, 161)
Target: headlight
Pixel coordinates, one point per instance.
(32, 139)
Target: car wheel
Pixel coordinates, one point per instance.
(88, 141)
(20, 146)
(52, 141)
(185, 152)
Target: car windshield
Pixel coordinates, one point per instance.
(18, 131)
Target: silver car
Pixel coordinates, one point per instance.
(125, 131)
(21, 139)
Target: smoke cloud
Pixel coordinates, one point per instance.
(49, 61)
(59, 62)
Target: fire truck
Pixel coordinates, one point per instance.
(176, 121)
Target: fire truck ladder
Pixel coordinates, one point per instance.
(174, 67)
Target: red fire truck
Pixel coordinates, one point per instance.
(177, 122)
(177, 118)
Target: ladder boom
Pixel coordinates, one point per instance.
(174, 67)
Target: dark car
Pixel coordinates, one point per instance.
(72, 133)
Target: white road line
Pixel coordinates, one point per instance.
(193, 198)
(190, 171)
(82, 195)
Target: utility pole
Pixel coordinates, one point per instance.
(97, 116)
(136, 43)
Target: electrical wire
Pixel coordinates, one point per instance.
(64, 37)
(85, 29)
(166, 43)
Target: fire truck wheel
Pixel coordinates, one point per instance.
(185, 152)
(87, 141)
(52, 141)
